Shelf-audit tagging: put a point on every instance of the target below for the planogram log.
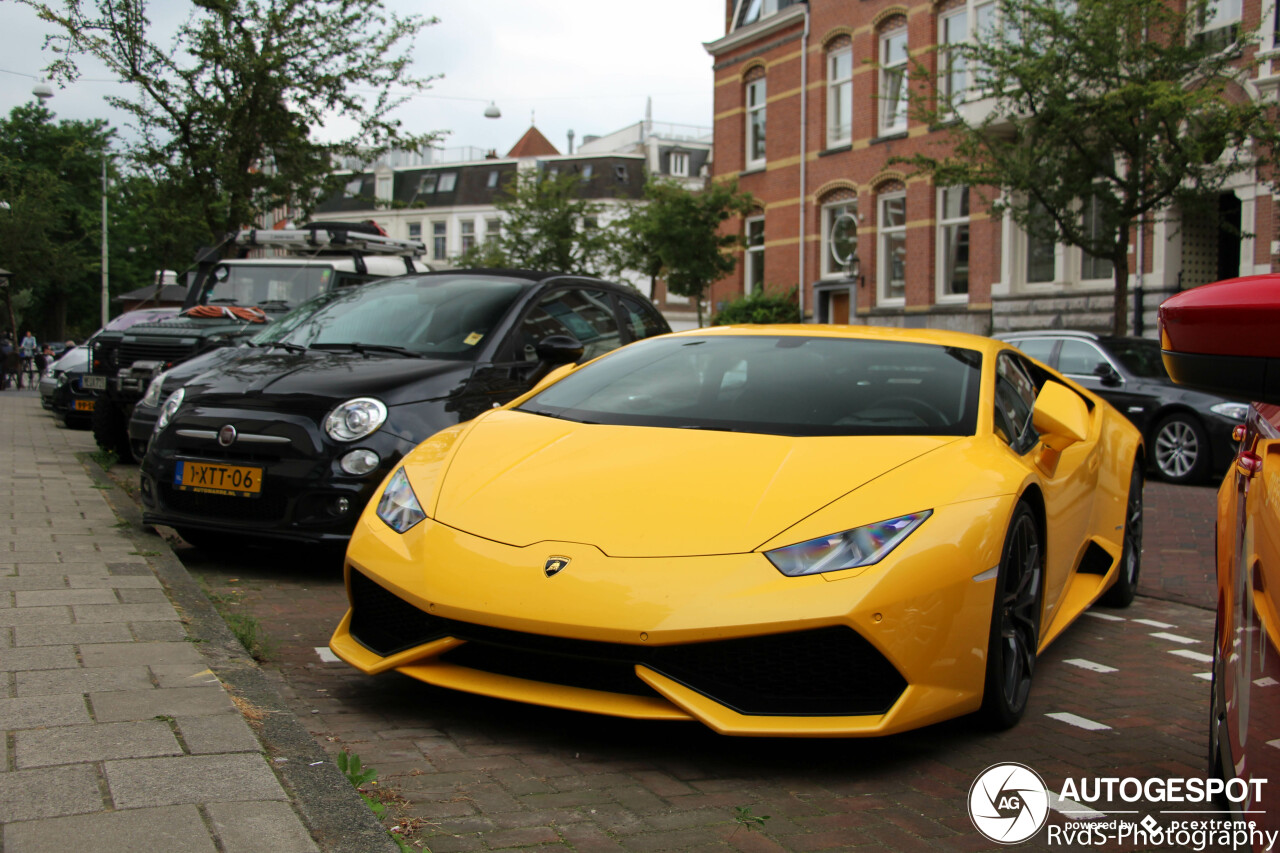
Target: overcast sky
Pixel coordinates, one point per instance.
(585, 65)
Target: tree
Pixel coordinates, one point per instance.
(231, 110)
(547, 226)
(1102, 112)
(760, 308)
(51, 180)
(678, 234)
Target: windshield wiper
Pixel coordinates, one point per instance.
(285, 346)
(223, 302)
(704, 426)
(368, 348)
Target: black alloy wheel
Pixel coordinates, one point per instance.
(1126, 586)
(1181, 449)
(1015, 622)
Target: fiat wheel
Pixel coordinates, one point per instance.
(1015, 622)
(1181, 449)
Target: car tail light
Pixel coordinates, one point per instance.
(1248, 463)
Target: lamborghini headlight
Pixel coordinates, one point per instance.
(355, 419)
(399, 506)
(154, 390)
(170, 408)
(861, 546)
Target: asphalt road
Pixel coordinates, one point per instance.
(1123, 693)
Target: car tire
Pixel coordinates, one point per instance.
(1125, 588)
(111, 429)
(1014, 635)
(1181, 449)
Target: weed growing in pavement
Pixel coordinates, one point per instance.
(743, 817)
(244, 626)
(104, 458)
(146, 553)
(363, 778)
(122, 525)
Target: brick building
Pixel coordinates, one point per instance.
(809, 112)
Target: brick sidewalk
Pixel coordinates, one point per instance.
(118, 734)
(1178, 561)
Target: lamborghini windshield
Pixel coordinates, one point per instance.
(782, 385)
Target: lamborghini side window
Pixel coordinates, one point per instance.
(1015, 400)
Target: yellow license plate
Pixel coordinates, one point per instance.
(239, 480)
(84, 405)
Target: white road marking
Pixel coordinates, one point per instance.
(327, 656)
(1265, 681)
(1207, 676)
(1104, 616)
(1154, 624)
(1090, 665)
(1275, 743)
(1190, 655)
(1077, 721)
(1173, 638)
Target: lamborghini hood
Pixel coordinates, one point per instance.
(520, 479)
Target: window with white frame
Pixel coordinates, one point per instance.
(1220, 23)
(755, 123)
(891, 228)
(753, 265)
(953, 29)
(1092, 266)
(383, 192)
(678, 164)
(447, 182)
(953, 243)
(439, 240)
(840, 96)
(415, 230)
(893, 81)
(491, 228)
(427, 184)
(588, 170)
(984, 29)
(468, 227)
(750, 11)
(493, 179)
(830, 213)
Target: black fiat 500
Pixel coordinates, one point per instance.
(289, 443)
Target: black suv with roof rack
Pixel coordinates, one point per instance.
(1188, 432)
(231, 299)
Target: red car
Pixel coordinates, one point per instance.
(1225, 337)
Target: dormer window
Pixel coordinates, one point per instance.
(679, 164)
(447, 182)
(750, 11)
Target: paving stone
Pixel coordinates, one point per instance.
(217, 733)
(158, 632)
(132, 654)
(144, 704)
(48, 792)
(13, 616)
(255, 827)
(51, 597)
(53, 635)
(73, 744)
(106, 581)
(38, 657)
(45, 682)
(191, 779)
(170, 829)
(184, 675)
(27, 712)
(125, 612)
(32, 582)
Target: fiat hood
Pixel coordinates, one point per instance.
(520, 479)
(331, 375)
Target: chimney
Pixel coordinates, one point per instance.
(570, 140)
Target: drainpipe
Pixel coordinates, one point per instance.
(804, 126)
(1139, 325)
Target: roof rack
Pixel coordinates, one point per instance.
(321, 239)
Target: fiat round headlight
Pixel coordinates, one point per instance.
(399, 506)
(170, 408)
(355, 419)
(154, 390)
(861, 546)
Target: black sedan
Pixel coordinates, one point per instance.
(1188, 432)
(289, 443)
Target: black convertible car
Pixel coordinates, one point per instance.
(289, 442)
